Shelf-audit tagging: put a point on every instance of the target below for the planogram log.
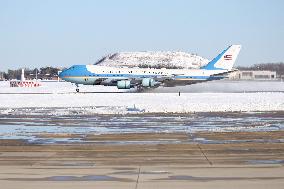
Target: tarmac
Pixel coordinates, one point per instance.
(254, 160)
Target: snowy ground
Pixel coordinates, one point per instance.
(60, 99)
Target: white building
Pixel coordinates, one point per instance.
(2, 76)
(253, 75)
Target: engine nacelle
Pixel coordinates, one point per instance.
(148, 82)
(124, 84)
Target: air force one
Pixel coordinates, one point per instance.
(126, 78)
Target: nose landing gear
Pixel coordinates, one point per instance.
(77, 88)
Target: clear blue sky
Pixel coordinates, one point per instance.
(36, 33)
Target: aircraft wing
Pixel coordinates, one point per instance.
(140, 82)
(161, 80)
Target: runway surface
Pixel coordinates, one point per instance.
(245, 164)
(202, 150)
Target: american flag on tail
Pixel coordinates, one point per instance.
(228, 57)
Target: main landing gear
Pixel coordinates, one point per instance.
(139, 88)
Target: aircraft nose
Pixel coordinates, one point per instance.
(62, 74)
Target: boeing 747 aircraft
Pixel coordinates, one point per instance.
(126, 78)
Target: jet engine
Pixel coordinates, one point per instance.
(124, 84)
(148, 82)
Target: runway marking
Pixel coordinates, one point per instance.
(138, 176)
(204, 155)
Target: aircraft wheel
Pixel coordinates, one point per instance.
(77, 90)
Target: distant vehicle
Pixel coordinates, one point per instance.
(126, 78)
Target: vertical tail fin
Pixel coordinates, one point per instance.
(225, 60)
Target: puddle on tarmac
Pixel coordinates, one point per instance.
(74, 178)
(265, 162)
(206, 179)
(141, 173)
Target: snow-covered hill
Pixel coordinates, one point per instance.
(154, 60)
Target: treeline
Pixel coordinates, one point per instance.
(42, 73)
(277, 67)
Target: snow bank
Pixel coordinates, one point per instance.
(150, 102)
(61, 95)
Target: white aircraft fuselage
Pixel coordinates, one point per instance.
(126, 78)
